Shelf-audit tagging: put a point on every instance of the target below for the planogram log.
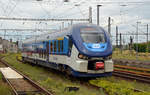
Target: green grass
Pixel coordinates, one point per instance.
(130, 55)
(115, 87)
(49, 79)
(4, 54)
(4, 88)
(0, 76)
(57, 82)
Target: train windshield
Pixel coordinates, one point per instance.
(92, 36)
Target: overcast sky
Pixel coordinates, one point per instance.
(124, 13)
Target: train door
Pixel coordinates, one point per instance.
(47, 51)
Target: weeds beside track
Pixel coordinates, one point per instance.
(25, 85)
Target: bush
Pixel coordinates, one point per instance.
(142, 47)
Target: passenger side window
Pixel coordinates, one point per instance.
(59, 48)
(55, 46)
(51, 47)
(42, 53)
(45, 53)
(62, 45)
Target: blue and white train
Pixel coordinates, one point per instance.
(83, 50)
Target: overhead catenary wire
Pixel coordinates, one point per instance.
(69, 9)
(34, 19)
(47, 13)
(11, 10)
(105, 4)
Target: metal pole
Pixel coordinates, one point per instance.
(98, 14)
(71, 22)
(4, 33)
(109, 26)
(63, 25)
(147, 38)
(137, 41)
(121, 42)
(130, 44)
(117, 36)
(90, 14)
(60, 27)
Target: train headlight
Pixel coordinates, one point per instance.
(81, 56)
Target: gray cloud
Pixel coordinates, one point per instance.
(123, 14)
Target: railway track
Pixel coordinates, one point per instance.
(98, 88)
(133, 63)
(139, 74)
(22, 85)
(88, 85)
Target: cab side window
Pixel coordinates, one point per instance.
(55, 46)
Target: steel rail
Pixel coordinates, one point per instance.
(37, 86)
(14, 91)
(131, 75)
(130, 61)
(132, 68)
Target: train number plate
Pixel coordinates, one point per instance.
(96, 46)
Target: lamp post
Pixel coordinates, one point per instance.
(66, 0)
(147, 39)
(98, 14)
(147, 26)
(137, 40)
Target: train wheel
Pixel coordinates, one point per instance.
(23, 60)
(61, 68)
(69, 71)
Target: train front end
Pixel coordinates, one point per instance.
(93, 51)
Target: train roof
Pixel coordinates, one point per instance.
(45, 37)
(55, 34)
